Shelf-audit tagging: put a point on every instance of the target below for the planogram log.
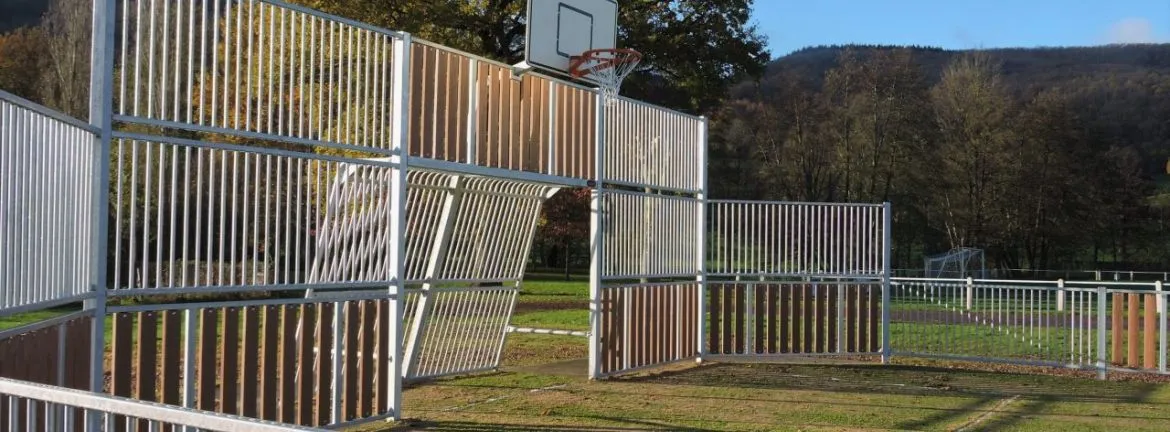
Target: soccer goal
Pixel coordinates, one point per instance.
(958, 263)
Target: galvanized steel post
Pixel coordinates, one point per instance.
(701, 246)
(887, 250)
(1102, 295)
(400, 134)
(101, 105)
(597, 240)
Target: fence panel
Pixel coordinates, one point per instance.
(46, 173)
(653, 147)
(780, 318)
(795, 239)
(1116, 326)
(465, 331)
(273, 362)
(644, 235)
(645, 325)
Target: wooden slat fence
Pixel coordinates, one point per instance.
(648, 325)
(56, 354)
(749, 318)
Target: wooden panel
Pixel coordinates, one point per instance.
(714, 329)
(797, 317)
(820, 292)
(383, 348)
(809, 318)
(229, 366)
(761, 317)
(366, 367)
(851, 318)
(831, 312)
(350, 371)
(862, 317)
(1133, 325)
(288, 363)
(1118, 325)
(324, 367)
(772, 292)
(269, 370)
(875, 310)
(784, 315)
(307, 333)
(147, 347)
(172, 358)
(208, 323)
(123, 352)
(1150, 330)
(251, 373)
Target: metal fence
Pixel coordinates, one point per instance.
(45, 188)
(1093, 325)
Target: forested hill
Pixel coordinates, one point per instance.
(1046, 157)
(1022, 67)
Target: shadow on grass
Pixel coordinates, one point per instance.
(907, 380)
(636, 425)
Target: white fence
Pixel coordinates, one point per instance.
(46, 185)
(1092, 325)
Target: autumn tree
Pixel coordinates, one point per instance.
(564, 226)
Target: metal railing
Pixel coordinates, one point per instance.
(1089, 325)
(37, 407)
(46, 181)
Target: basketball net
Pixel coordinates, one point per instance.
(607, 67)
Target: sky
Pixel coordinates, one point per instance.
(961, 24)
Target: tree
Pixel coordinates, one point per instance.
(693, 50)
(21, 61)
(971, 107)
(564, 221)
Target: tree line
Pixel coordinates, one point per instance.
(1047, 173)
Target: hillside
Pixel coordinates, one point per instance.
(1020, 66)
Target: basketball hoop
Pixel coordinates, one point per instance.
(608, 67)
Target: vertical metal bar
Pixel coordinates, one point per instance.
(1161, 326)
(597, 230)
(472, 111)
(887, 249)
(701, 244)
(101, 104)
(1101, 365)
(398, 194)
(552, 127)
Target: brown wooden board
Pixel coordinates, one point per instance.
(229, 365)
(250, 372)
(288, 363)
(797, 318)
(1118, 325)
(831, 312)
(1133, 326)
(761, 317)
(172, 360)
(821, 294)
(714, 328)
(851, 318)
(269, 359)
(366, 352)
(147, 347)
(307, 333)
(875, 310)
(809, 318)
(324, 366)
(208, 373)
(862, 317)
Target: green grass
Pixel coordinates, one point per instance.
(730, 397)
(565, 319)
(27, 318)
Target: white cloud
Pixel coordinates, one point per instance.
(1131, 30)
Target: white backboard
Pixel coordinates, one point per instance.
(558, 29)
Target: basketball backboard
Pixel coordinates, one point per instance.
(560, 29)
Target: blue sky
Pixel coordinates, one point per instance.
(959, 24)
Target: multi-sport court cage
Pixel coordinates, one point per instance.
(288, 214)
